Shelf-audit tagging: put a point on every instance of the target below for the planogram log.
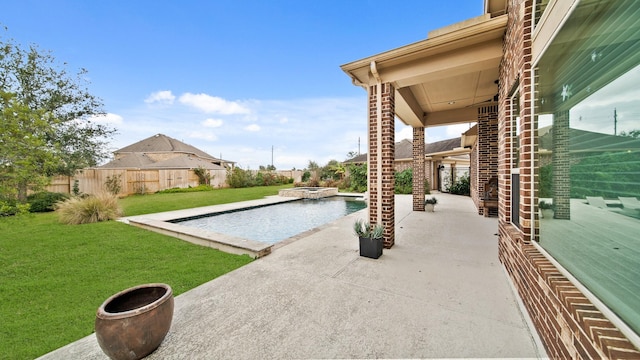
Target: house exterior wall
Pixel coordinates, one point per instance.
(474, 184)
(487, 152)
(569, 324)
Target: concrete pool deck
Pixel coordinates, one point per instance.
(440, 292)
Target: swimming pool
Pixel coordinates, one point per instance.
(273, 223)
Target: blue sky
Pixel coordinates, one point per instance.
(233, 78)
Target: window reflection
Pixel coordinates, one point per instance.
(587, 106)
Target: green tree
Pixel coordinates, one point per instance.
(25, 157)
(631, 133)
(267, 168)
(358, 177)
(338, 170)
(40, 95)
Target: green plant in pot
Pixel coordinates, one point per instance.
(371, 238)
(430, 204)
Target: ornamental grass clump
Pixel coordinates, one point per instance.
(367, 230)
(90, 209)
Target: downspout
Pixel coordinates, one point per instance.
(376, 75)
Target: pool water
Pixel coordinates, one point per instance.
(274, 223)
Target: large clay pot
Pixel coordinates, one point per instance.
(132, 323)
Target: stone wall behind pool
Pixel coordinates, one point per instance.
(309, 192)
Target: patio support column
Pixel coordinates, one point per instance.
(561, 183)
(487, 160)
(418, 169)
(381, 159)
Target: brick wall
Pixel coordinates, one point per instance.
(561, 166)
(569, 325)
(487, 156)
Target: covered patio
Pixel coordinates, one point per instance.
(441, 294)
(449, 78)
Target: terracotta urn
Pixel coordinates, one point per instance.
(133, 323)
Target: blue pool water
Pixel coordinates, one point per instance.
(274, 223)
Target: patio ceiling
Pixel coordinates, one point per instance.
(443, 79)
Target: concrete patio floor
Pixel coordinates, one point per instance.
(440, 292)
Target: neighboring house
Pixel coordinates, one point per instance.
(163, 152)
(445, 161)
(155, 163)
(520, 66)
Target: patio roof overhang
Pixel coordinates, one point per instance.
(441, 80)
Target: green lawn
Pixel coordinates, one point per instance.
(53, 277)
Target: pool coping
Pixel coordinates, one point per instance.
(161, 223)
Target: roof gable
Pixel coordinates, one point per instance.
(404, 149)
(161, 143)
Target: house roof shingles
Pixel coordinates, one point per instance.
(184, 156)
(404, 149)
(162, 143)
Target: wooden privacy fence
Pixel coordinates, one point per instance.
(92, 181)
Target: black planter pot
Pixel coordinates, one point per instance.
(371, 248)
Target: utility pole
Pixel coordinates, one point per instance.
(272, 156)
(615, 122)
(358, 145)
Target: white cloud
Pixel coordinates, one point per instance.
(213, 104)
(162, 97)
(212, 123)
(454, 131)
(405, 133)
(203, 135)
(252, 127)
(108, 118)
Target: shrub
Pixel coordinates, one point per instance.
(239, 178)
(306, 176)
(13, 208)
(76, 188)
(204, 177)
(404, 182)
(185, 190)
(358, 178)
(45, 201)
(331, 183)
(91, 209)
(113, 184)
(461, 186)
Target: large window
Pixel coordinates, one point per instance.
(587, 106)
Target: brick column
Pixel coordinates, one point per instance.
(382, 159)
(487, 159)
(418, 169)
(561, 182)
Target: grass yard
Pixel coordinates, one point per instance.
(147, 204)
(53, 277)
